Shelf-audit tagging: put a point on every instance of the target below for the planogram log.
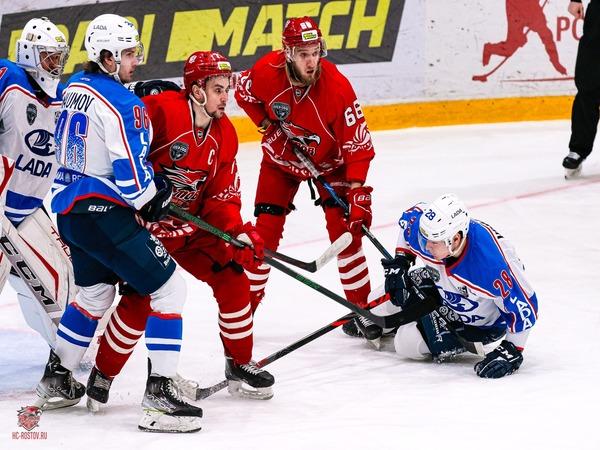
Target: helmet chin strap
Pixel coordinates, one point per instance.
(459, 249)
(114, 74)
(202, 105)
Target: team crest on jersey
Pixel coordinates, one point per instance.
(178, 150)
(31, 112)
(40, 142)
(281, 110)
(186, 183)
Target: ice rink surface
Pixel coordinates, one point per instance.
(337, 393)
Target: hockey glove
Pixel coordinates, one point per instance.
(158, 207)
(252, 255)
(397, 280)
(504, 360)
(359, 204)
(153, 87)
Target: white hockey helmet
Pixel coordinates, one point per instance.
(112, 33)
(42, 51)
(442, 219)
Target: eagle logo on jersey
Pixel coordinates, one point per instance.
(186, 183)
(178, 150)
(301, 135)
(281, 110)
(31, 113)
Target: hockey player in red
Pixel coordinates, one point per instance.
(195, 145)
(294, 91)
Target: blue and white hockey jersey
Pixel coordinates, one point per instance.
(485, 285)
(26, 137)
(103, 138)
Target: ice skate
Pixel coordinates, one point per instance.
(572, 164)
(351, 329)
(98, 388)
(164, 411)
(57, 388)
(248, 380)
(371, 331)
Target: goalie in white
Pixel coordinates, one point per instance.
(30, 98)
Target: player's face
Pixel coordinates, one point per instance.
(306, 62)
(130, 59)
(53, 62)
(439, 249)
(217, 93)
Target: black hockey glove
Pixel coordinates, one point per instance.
(397, 280)
(153, 87)
(504, 360)
(158, 207)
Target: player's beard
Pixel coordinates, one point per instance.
(296, 77)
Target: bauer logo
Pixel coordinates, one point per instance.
(355, 31)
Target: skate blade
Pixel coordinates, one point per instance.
(46, 402)
(572, 173)
(93, 406)
(375, 343)
(154, 421)
(242, 390)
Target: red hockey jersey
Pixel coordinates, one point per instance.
(200, 164)
(327, 114)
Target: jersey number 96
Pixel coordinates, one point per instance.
(71, 131)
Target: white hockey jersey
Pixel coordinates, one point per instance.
(103, 138)
(486, 285)
(26, 137)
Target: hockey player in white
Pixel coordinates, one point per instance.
(103, 136)
(30, 98)
(473, 283)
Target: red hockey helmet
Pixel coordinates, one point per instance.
(202, 65)
(301, 31)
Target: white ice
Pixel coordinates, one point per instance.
(336, 392)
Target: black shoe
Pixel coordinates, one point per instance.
(98, 388)
(572, 161)
(368, 329)
(165, 411)
(58, 388)
(248, 380)
(572, 164)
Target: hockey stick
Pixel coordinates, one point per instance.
(202, 393)
(317, 176)
(339, 245)
(385, 322)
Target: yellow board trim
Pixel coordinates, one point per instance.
(453, 112)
